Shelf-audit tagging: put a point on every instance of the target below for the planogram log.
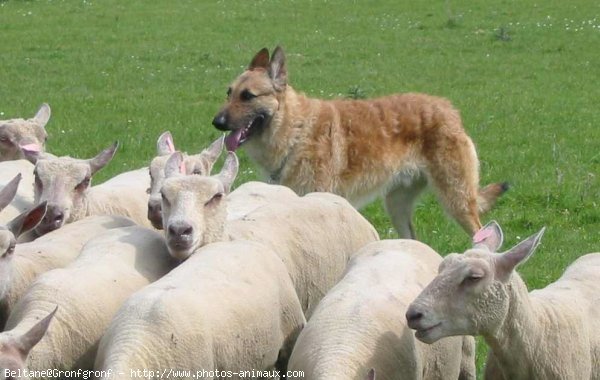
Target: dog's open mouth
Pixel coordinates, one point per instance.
(239, 136)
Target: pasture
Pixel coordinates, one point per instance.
(523, 74)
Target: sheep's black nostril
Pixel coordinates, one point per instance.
(154, 208)
(58, 218)
(220, 122)
(413, 315)
(180, 229)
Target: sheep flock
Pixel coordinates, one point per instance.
(173, 271)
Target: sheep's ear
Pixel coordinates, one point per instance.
(9, 191)
(213, 152)
(489, 237)
(277, 69)
(260, 60)
(27, 220)
(175, 165)
(229, 171)
(103, 158)
(370, 374)
(164, 144)
(509, 260)
(43, 115)
(28, 340)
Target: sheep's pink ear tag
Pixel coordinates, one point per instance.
(182, 167)
(31, 148)
(170, 145)
(481, 235)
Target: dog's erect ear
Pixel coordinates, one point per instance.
(261, 59)
(277, 69)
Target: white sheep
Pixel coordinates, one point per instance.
(23, 199)
(18, 136)
(64, 183)
(19, 268)
(360, 324)
(550, 333)
(200, 164)
(229, 307)
(314, 235)
(9, 232)
(88, 293)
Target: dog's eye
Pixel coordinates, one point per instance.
(229, 92)
(247, 95)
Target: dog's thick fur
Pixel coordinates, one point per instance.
(360, 149)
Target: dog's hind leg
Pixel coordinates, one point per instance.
(399, 204)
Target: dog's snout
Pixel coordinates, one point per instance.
(220, 122)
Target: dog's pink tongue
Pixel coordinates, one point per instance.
(232, 141)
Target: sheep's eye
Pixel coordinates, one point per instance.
(83, 184)
(3, 139)
(472, 278)
(10, 250)
(164, 198)
(37, 180)
(148, 190)
(215, 198)
(247, 95)
(197, 171)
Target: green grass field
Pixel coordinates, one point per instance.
(523, 73)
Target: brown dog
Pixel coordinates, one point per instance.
(360, 149)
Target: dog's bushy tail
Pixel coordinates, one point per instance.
(489, 195)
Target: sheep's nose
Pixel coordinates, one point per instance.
(54, 215)
(155, 214)
(59, 217)
(181, 229)
(413, 315)
(220, 122)
(154, 209)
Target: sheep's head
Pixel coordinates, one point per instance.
(200, 164)
(469, 296)
(193, 207)
(20, 224)
(18, 136)
(14, 349)
(14, 228)
(63, 182)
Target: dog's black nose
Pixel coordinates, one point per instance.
(220, 122)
